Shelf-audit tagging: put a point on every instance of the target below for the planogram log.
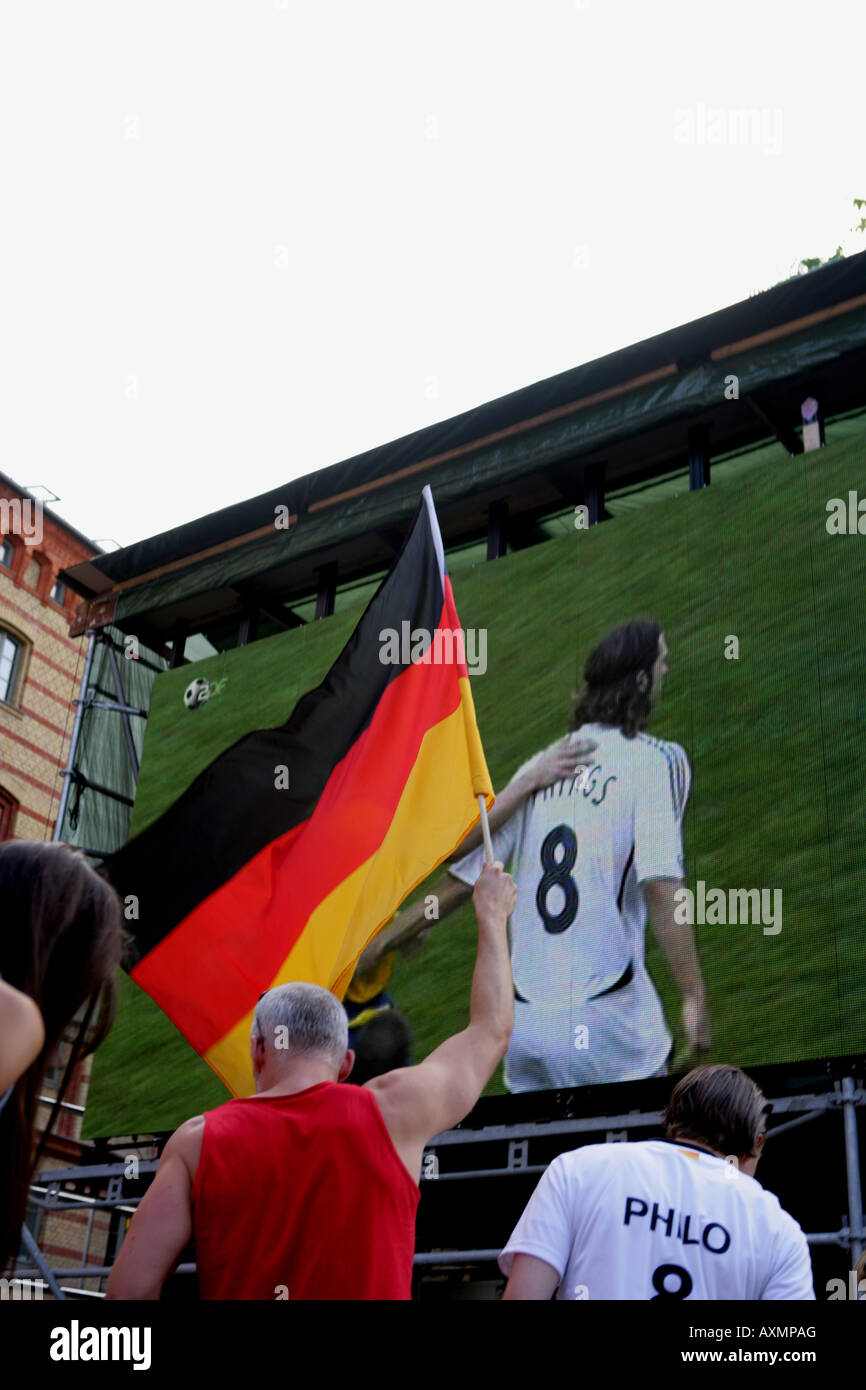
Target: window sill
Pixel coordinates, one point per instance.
(6, 708)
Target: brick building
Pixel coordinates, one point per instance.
(40, 665)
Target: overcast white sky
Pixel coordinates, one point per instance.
(242, 239)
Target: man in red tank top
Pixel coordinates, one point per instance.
(309, 1189)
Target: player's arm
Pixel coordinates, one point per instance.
(162, 1226)
(663, 792)
(411, 921)
(22, 1034)
(418, 1102)
(677, 944)
(531, 1278)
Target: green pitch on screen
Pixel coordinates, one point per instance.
(774, 740)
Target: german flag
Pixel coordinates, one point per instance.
(287, 855)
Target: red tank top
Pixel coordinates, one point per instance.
(303, 1196)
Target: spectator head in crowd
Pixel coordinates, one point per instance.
(382, 1044)
(722, 1109)
(61, 941)
(299, 1030)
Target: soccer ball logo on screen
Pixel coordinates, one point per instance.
(197, 693)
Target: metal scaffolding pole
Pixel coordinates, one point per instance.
(122, 710)
(86, 1254)
(73, 745)
(852, 1163)
(39, 1260)
(47, 1194)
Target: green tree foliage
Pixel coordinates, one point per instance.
(812, 262)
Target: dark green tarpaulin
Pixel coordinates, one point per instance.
(680, 396)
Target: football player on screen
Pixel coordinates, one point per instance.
(592, 829)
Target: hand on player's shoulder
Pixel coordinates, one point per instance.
(562, 760)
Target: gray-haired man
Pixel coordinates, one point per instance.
(309, 1189)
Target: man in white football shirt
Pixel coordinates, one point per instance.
(594, 852)
(680, 1217)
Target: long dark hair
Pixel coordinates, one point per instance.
(61, 941)
(612, 693)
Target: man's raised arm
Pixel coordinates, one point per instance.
(418, 1102)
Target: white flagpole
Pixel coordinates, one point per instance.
(440, 556)
(485, 830)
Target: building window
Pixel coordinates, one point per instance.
(58, 593)
(7, 553)
(8, 812)
(53, 1075)
(10, 666)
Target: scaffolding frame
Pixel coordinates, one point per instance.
(86, 702)
(49, 1191)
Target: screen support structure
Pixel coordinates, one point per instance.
(105, 748)
(848, 1096)
(59, 1189)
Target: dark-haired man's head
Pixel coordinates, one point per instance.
(722, 1109)
(623, 677)
(382, 1045)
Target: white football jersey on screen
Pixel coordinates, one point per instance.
(586, 1010)
(660, 1219)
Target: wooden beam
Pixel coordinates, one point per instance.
(593, 491)
(391, 537)
(326, 577)
(181, 628)
(269, 604)
(770, 335)
(249, 624)
(497, 530)
(783, 432)
(566, 479)
(609, 393)
(699, 457)
(187, 561)
(523, 534)
(646, 378)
